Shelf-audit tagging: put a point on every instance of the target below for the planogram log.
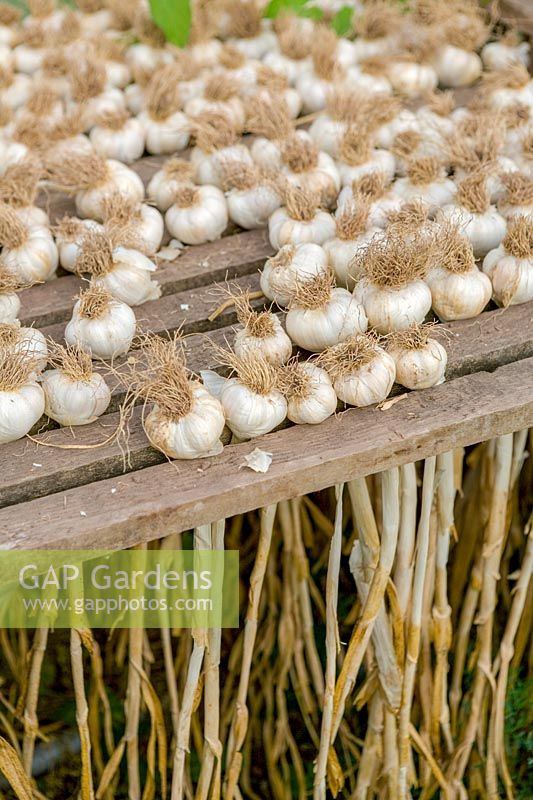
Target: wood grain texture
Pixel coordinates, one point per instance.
(156, 501)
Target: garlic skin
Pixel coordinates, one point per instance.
(251, 208)
(125, 145)
(9, 307)
(283, 229)
(411, 79)
(18, 92)
(493, 179)
(162, 189)
(149, 230)
(32, 343)
(207, 165)
(19, 411)
(122, 180)
(28, 59)
(485, 231)
(129, 279)
(134, 98)
(249, 414)
(290, 68)
(498, 55)
(74, 402)
(232, 108)
(276, 348)
(340, 253)
(422, 367)
(341, 317)
(195, 435)
(204, 221)
(509, 211)
(369, 384)
(323, 180)
(146, 58)
(327, 133)
(319, 404)
(456, 67)
(433, 195)
(393, 309)
(107, 336)
(306, 261)
(69, 247)
(36, 260)
(405, 120)
(255, 47)
(380, 209)
(34, 217)
(458, 295)
(266, 153)
(512, 277)
(109, 101)
(164, 137)
(380, 161)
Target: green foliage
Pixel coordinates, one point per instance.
(174, 19)
(519, 735)
(299, 7)
(342, 21)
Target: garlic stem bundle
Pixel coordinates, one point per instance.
(329, 128)
(262, 332)
(353, 234)
(252, 194)
(321, 315)
(389, 275)
(74, 393)
(166, 126)
(420, 359)
(270, 84)
(510, 266)
(318, 79)
(362, 372)
(479, 220)
(358, 156)
(117, 135)
(270, 122)
(92, 180)
(310, 395)
(29, 341)
(124, 272)
(426, 181)
(101, 325)
(375, 190)
(173, 175)
(199, 214)
(245, 29)
(19, 186)
(9, 300)
(138, 225)
(300, 220)
(304, 166)
(291, 265)
(517, 200)
(459, 290)
(29, 252)
(217, 142)
(219, 95)
(252, 401)
(185, 420)
(89, 90)
(21, 397)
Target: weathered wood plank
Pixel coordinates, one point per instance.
(153, 502)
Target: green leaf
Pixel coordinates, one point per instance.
(174, 19)
(342, 21)
(298, 7)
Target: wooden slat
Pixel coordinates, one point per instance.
(473, 345)
(156, 501)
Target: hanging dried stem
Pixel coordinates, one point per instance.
(20, 182)
(378, 19)
(313, 293)
(259, 324)
(454, 250)
(87, 79)
(71, 360)
(17, 368)
(424, 171)
(213, 131)
(349, 356)
(95, 255)
(356, 146)
(163, 95)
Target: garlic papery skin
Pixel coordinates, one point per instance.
(135, 225)
(327, 134)
(257, 46)
(456, 67)
(262, 333)
(291, 265)
(15, 93)
(163, 186)
(341, 252)
(380, 161)
(307, 168)
(149, 229)
(166, 136)
(121, 179)
(311, 398)
(124, 143)
(208, 166)
(69, 235)
(199, 215)
(499, 55)
(27, 342)
(249, 414)
(362, 372)
(101, 325)
(485, 231)
(411, 79)
(420, 360)
(9, 306)
(20, 409)
(128, 277)
(426, 181)
(458, 295)
(194, 435)
(251, 208)
(321, 315)
(299, 221)
(510, 266)
(74, 402)
(393, 309)
(28, 253)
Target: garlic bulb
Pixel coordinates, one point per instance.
(321, 315)
(420, 360)
(173, 175)
(307, 168)
(219, 95)
(456, 67)
(272, 126)
(352, 236)
(310, 395)
(478, 219)
(389, 275)
(15, 88)
(74, 393)
(411, 79)
(509, 86)
(458, 289)
(136, 225)
(252, 402)
(27, 341)
(199, 214)
(21, 397)
(208, 165)
(262, 333)
(358, 158)
(29, 253)
(510, 266)
(119, 137)
(362, 372)
(165, 136)
(291, 265)
(500, 55)
(69, 234)
(299, 221)
(517, 198)
(9, 305)
(375, 190)
(252, 195)
(426, 181)
(123, 272)
(101, 325)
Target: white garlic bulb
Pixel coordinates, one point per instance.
(362, 372)
(29, 253)
(412, 79)
(119, 137)
(118, 179)
(250, 414)
(251, 208)
(485, 230)
(420, 360)
(20, 409)
(72, 400)
(198, 215)
(300, 221)
(426, 181)
(456, 67)
(173, 175)
(500, 55)
(208, 166)
(69, 234)
(28, 342)
(510, 266)
(262, 333)
(128, 277)
(9, 306)
(311, 398)
(341, 252)
(166, 136)
(196, 434)
(101, 325)
(291, 265)
(393, 309)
